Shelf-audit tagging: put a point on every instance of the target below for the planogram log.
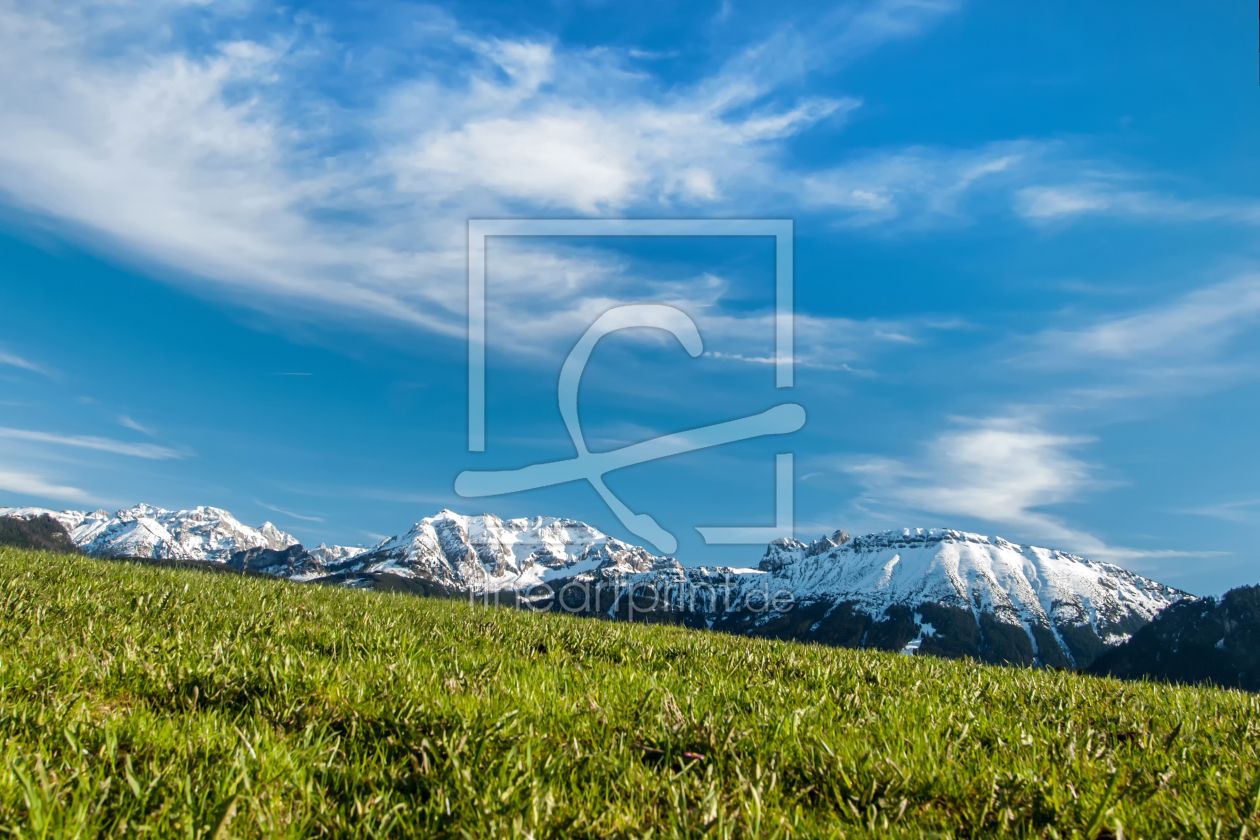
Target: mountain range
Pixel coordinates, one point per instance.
(924, 591)
(203, 533)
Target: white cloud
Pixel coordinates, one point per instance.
(290, 513)
(1052, 202)
(197, 160)
(1244, 511)
(525, 280)
(1198, 343)
(828, 38)
(554, 160)
(999, 470)
(124, 420)
(920, 184)
(118, 447)
(228, 162)
(26, 484)
(570, 148)
(1041, 203)
(1007, 469)
(1193, 327)
(16, 361)
(1039, 181)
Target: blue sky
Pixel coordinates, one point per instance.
(232, 258)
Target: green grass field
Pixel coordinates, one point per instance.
(169, 702)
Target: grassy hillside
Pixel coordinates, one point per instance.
(198, 705)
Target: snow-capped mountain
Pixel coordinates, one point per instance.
(1021, 585)
(927, 591)
(485, 553)
(935, 591)
(915, 590)
(203, 533)
(946, 591)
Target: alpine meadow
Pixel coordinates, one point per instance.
(140, 699)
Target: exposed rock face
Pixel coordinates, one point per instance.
(293, 562)
(786, 551)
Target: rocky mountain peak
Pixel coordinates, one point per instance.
(202, 533)
(936, 590)
(786, 550)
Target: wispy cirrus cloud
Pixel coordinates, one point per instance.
(29, 484)
(1037, 181)
(922, 185)
(525, 279)
(126, 421)
(187, 152)
(14, 360)
(998, 469)
(1196, 325)
(303, 517)
(190, 154)
(1199, 342)
(100, 444)
(1001, 470)
(1008, 469)
(1247, 510)
(1064, 202)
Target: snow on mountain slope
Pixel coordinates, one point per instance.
(331, 554)
(485, 553)
(1065, 608)
(917, 590)
(203, 533)
(939, 590)
(1019, 584)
